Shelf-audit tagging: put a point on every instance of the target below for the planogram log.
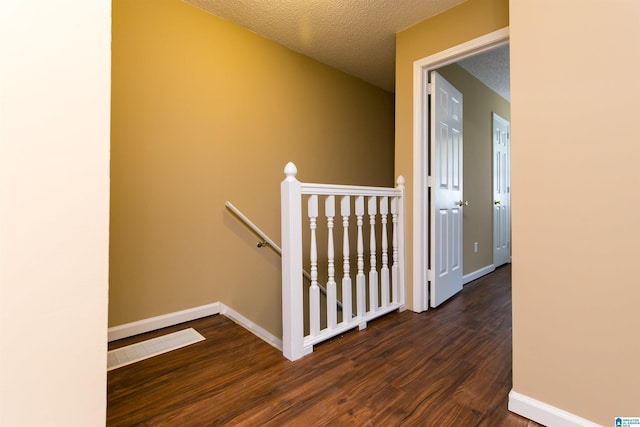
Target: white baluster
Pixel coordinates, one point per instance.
(314, 290)
(401, 243)
(345, 211)
(384, 270)
(394, 249)
(332, 302)
(373, 272)
(291, 227)
(360, 277)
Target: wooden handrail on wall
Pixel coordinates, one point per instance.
(255, 229)
(266, 241)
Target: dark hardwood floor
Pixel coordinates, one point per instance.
(445, 367)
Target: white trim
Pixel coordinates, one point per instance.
(420, 201)
(421, 69)
(545, 414)
(250, 326)
(464, 50)
(175, 318)
(163, 321)
(477, 274)
(348, 190)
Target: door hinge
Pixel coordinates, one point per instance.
(430, 275)
(429, 181)
(428, 88)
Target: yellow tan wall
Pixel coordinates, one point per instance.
(54, 211)
(204, 112)
(479, 104)
(575, 177)
(462, 23)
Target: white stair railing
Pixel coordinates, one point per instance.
(385, 290)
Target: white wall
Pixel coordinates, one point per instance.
(54, 211)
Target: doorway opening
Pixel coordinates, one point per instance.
(423, 272)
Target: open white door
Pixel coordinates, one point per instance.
(446, 201)
(501, 191)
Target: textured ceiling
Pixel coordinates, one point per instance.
(354, 36)
(491, 68)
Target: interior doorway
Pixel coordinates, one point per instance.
(423, 271)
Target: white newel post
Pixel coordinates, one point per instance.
(291, 226)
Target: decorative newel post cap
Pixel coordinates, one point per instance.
(400, 181)
(290, 170)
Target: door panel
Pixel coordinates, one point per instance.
(456, 164)
(446, 143)
(501, 191)
(456, 239)
(443, 222)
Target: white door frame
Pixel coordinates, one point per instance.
(421, 69)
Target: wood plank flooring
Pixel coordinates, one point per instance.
(449, 366)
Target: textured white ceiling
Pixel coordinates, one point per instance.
(354, 36)
(491, 68)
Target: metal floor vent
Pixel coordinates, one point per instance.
(143, 350)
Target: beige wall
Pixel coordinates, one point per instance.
(203, 112)
(479, 102)
(54, 195)
(462, 23)
(576, 178)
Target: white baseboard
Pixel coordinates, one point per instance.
(250, 326)
(158, 322)
(171, 319)
(477, 274)
(545, 414)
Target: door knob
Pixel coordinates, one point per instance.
(463, 203)
(496, 202)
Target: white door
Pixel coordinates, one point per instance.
(446, 201)
(501, 191)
